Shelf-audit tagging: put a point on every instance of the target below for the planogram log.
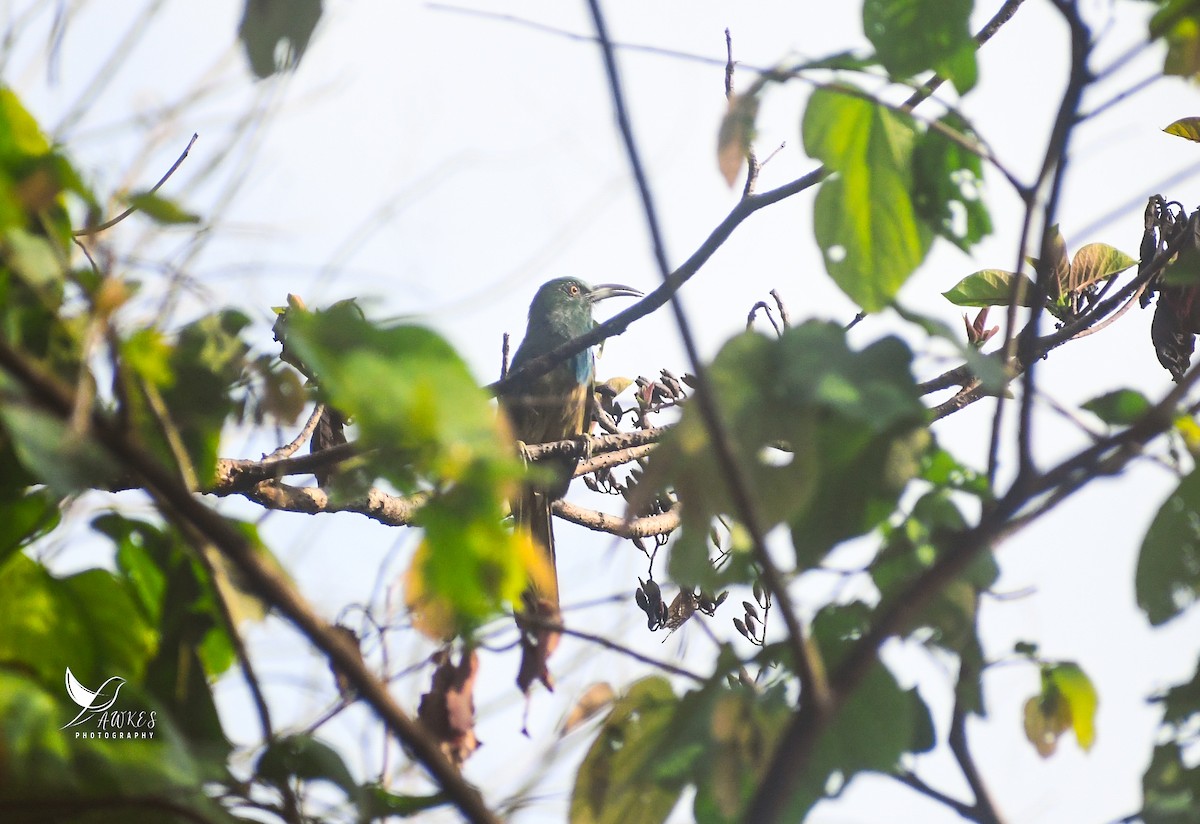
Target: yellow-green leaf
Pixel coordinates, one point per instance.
(1079, 696)
(1188, 128)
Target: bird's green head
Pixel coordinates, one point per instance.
(565, 304)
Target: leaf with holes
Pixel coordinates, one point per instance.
(864, 218)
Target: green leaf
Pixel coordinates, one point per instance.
(45, 765)
(86, 621)
(1167, 579)
(1121, 407)
(1170, 788)
(65, 461)
(943, 470)
(275, 33)
(912, 547)
(864, 218)
(195, 379)
(617, 781)
(379, 802)
(26, 518)
(991, 287)
(1181, 703)
(34, 258)
(417, 404)
(1097, 262)
(407, 390)
(947, 186)
(827, 437)
(160, 209)
(880, 722)
(305, 758)
(911, 36)
(735, 730)
(20, 134)
(1184, 268)
(1178, 23)
(171, 588)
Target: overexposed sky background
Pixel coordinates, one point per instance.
(443, 165)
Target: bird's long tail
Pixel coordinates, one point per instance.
(538, 640)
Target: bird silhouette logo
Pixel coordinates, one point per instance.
(92, 702)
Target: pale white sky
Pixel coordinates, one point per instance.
(444, 165)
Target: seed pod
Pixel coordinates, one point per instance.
(721, 598)
(741, 627)
(751, 610)
(751, 627)
(640, 597)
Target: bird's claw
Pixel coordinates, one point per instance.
(586, 444)
(523, 453)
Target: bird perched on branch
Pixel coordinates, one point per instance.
(554, 406)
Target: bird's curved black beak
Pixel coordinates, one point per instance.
(603, 291)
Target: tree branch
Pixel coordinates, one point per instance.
(984, 810)
(646, 527)
(180, 507)
(807, 658)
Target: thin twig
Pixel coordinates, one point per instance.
(533, 621)
(911, 779)
(108, 224)
(807, 658)
(1053, 169)
(984, 809)
(290, 449)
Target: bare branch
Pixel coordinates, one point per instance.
(673, 669)
(984, 810)
(108, 224)
(290, 449)
(645, 527)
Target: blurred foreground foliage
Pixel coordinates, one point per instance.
(832, 437)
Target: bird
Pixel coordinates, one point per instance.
(553, 406)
